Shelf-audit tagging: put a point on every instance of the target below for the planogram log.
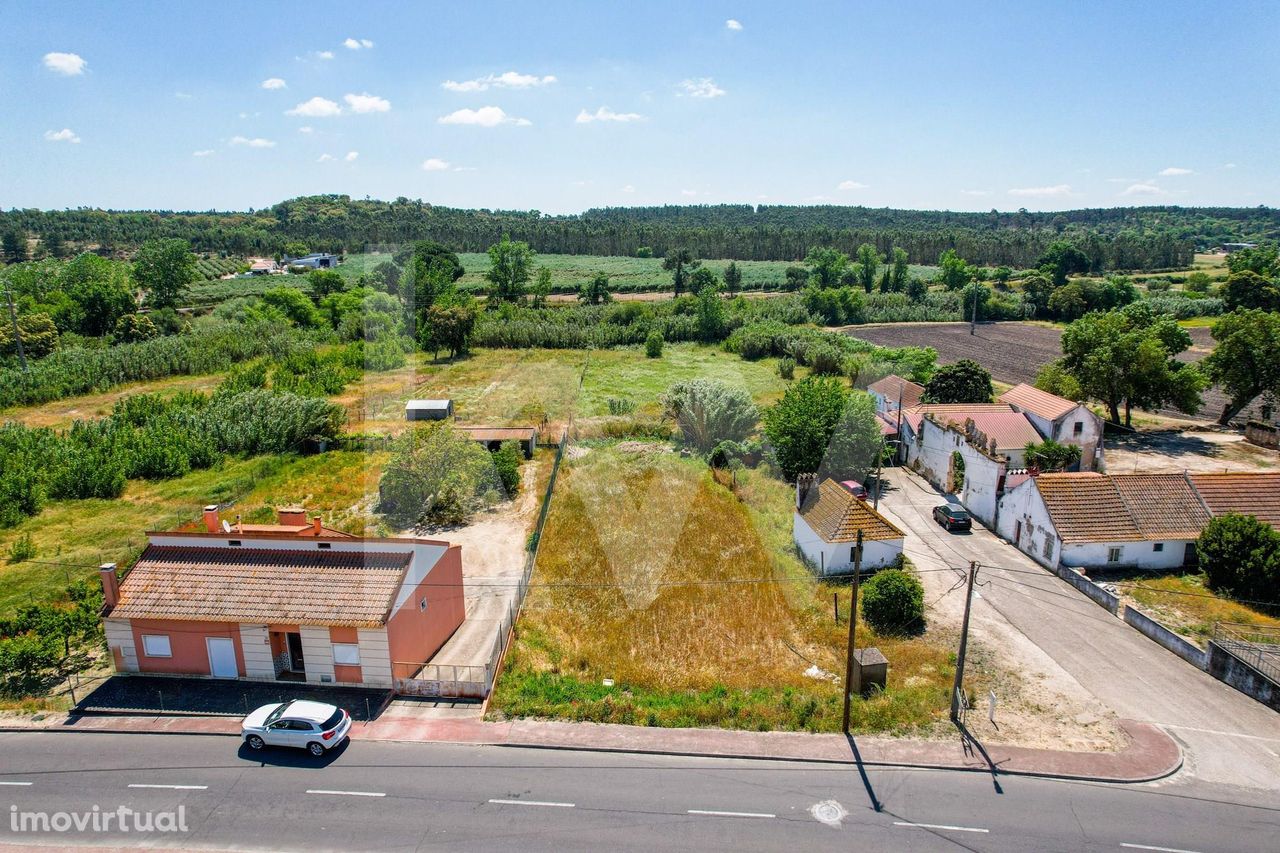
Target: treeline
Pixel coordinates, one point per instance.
(1112, 239)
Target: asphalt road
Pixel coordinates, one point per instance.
(388, 796)
(1227, 737)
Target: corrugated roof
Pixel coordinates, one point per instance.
(480, 433)
(1028, 398)
(219, 584)
(1087, 507)
(836, 515)
(1164, 506)
(892, 385)
(1249, 493)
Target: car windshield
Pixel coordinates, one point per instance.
(333, 720)
(275, 715)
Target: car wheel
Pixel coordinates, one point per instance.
(255, 742)
(315, 748)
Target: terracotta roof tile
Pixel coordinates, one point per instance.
(1164, 506)
(915, 414)
(836, 515)
(1028, 398)
(1249, 493)
(892, 385)
(1087, 507)
(211, 584)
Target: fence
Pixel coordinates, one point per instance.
(1255, 645)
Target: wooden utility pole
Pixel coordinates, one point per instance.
(973, 319)
(17, 335)
(853, 620)
(964, 643)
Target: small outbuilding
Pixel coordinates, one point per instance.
(492, 437)
(428, 410)
(827, 520)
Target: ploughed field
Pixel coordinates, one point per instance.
(1014, 352)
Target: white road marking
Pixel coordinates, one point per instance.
(533, 803)
(16, 784)
(1158, 849)
(346, 793)
(1217, 732)
(730, 814)
(175, 787)
(939, 826)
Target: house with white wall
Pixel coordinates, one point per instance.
(1065, 421)
(892, 391)
(825, 528)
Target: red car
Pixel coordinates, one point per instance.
(856, 488)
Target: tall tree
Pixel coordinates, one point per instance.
(541, 287)
(679, 262)
(1061, 259)
(1248, 289)
(856, 441)
(711, 313)
(164, 268)
(1246, 360)
(732, 278)
(510, 266)
(966, 381)
(900, 271)
(594, 292)
(53, 244)
(826, 265)
(868, 265)
(101, 289)
(954, 272)
(14, 246)
(800, 425)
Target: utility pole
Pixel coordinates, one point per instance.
(875, 501)
(973, 319)
(964, 643)
(17, 335)
(853, 620)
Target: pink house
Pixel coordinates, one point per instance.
(291, 601)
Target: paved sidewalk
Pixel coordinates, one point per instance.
(1150, 754)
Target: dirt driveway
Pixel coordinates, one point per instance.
(1193, 450)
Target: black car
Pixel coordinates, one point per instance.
(952, 517)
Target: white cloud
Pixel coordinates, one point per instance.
(628, 189)
(850, 185)
(483, 117)
(1057, 190)
(505, 80)
(306, 128)
(606, 114)
(256, 142)
(366, 103)
(435, 164)
(70, 64)
(731, 24)
(182, 96)
(202, 153)
(324, 54)
(351, 156)
(1228, 165)
(274, 83)
(1174, 171)
(702, 87)
(1142, 189)
(317, 107)
(1121, 180)
(357, 44)
(64, 135)
(325, 158)
(975, 192)
(688, 192)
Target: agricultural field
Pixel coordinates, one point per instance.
(211, 268)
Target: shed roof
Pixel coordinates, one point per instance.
(219, 584)
(1093, 507)
(1254, 493)
(836, 515)
(893, 386)
(1028, 398)
(428, 404)
(482, 433)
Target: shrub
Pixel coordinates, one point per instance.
(1240, 557)
(787, 367)
(826, 360)
(653, 344)
(619, 406)
(436, 475)
(132, 328)
(506, 462)
(23, 548)
(893, 602)
(709, 411)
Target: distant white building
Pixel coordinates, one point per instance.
(892, 390)
(826, 524)
(1060, 419)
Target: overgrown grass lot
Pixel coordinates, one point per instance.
(1185, 605)
(692, 601)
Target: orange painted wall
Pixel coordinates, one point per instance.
(186, 641)
(413, 636)
(347, 674)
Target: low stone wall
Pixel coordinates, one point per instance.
(1099, 595)
(1225, 666)
(1162, 635)
(1262, 434)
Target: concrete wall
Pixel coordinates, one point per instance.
(375, 659)
(1226, 667)
(414, 634)
(1162, 635)
(258, 660)
(1262, 434)
(190, 654)
(837, 557)
(121, 644)
(317, 654)
(1099, 595)
(931, 457)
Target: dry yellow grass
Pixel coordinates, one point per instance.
(1184, 604)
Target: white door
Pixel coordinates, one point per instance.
(222, 657)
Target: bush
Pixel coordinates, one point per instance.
(710, 411)
(506, 462)
(787, 368)
(132, 328)
(893, 602)
(1240, 557)
(23, 548)
(653, 344)
(436, 475)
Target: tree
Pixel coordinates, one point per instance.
(1263, 260)
(900, 270)
(1128, 357)
(966, 381)
(826, 266)
(436, 475)
(386, 276)
(893, 602)
(102, 291)
(1248, 289)
(325, 282)
(426, 253)
(295, 248)
(953, 272)
(709, 411)
(653, 344)
(868, 265)
(1037, 289)
(856, 441)
(1056, 380)
(431, 281)
(39, 335)
(295, 305)
(53, 244)
(164, 268)
(448, 327)
(644, 252)
(796, 278)
(596, 291)
(1049, 455)
(14, 246)
(1001, 275)
(506, 463)
(678, 262)
(1061, 259)
(732, 278)
(711, 313)
(1068, 302)
(917, 289)
(1198, 282)
(132, 328)
(1246, 360)
(800, 425)
(541, 287)
(1240, 557)
(510, 266)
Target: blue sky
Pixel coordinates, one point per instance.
(918, 105)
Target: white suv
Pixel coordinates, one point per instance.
(313, 726)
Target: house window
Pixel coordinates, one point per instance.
(156, 646)
(1048, 547)
(1077, 429)
(346, 654)
(1114, 554)
(1159, 546)
(422, 605)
